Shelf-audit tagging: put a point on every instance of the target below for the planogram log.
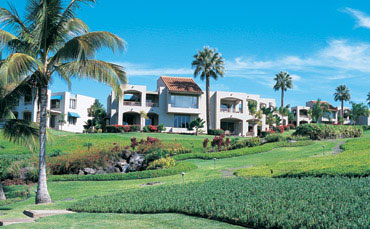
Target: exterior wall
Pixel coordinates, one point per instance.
(242, 119)
(298, 118)
(82, 105)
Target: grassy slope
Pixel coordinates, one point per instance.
(353, 161)
(70, 142)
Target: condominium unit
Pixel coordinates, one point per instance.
(66, 111)
(302, 113)
(178, 100)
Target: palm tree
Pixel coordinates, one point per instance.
(197, 124)
(358, 110)
(283, 82)
(208, 63)
(319, 110)
(342, 94)
(368, 99)
(53, 41)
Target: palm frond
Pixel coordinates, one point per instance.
(11, 19)
(16, 66)
(108, 73)
(22, 132)
(84, 47)
(6, 37)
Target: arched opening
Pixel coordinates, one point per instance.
(232, 126)
(231, 105)
(152, 119)
(132, 98)
(131, 118)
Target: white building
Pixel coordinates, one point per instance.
(177, 101)
(73, 109)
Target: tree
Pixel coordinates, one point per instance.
(53, 41)
(342, 94)
(252, 107)
(358, 110)
(197, 124)
(319, 110)
(98, 114)
(283, 82)
(368, 99)
(62, 121)
(208, 63)
(270, 119)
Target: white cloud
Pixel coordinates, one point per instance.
(133, 69)
(363, 20)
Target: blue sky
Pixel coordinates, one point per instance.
(322, 44)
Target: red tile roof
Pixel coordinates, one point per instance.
(181, 84)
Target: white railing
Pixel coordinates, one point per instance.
(230, 110)
(131, 103)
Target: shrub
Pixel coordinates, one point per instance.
(7, 160)
(329, 202)
(322, 131)
(291, 126)
(216, 132)
(161, 128)
(274, 138)
(134, 128)
(264, 133)
(100, 130)
(178, 169)
(163, 163)
(146, 129)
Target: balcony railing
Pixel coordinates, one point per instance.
(151, 104)
(230, 110)
(131, 103)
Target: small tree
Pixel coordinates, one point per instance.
(319, 110)
(62, 121)
(252, 107)
(358, 110)
(98, 114)
(197, 124)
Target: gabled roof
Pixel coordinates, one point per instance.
(331, 107)
(181, 85)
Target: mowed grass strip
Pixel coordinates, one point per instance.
(354, 161)
(241, 152)
(330, 202)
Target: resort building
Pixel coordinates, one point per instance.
(302, 114)
(178, 100)
(67, 112)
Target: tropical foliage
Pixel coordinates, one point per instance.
(322, 131)
(208, 63)
(319, 110)
(197, 123)
(283, 82)
(97, 111)
(358, 110)
(342, 94)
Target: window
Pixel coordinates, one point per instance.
(28, 99)
(72, 103)
(72, 120)
(27, 116)
(185, 101)
(181, 121)
(55, 103)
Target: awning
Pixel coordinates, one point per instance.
(74, 115)
(56, 97)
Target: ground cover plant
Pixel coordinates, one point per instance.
(272, 203)
(177, 169)
(323, 131)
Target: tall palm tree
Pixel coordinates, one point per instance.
(283, 82)
(208, 63)
(368, 99)
(53, 41)
(342, 94)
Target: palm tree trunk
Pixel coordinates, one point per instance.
(282, 98)
(2, 193)
(208, 105)
(42, 195)
(342, 112)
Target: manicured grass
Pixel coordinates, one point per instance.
(85, 220)
(273, 203)
(70, 142)
(354, 161)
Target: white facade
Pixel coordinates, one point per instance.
(175, 109)
(61, 106)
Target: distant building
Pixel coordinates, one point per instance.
(178, 100)
(73, 109)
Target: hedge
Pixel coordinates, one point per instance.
(241, 152)
(178, 169)
(327, 202)
(323, 131)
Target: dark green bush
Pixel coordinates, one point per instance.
(7, 160)
(322, 131)
(146, 129)
(274, 138)
(265, 133)
(178, 169)
(216, 132)
(328, 202)
(134, 128)
(249, 142)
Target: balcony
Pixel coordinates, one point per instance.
(131, 103)
(230, 110)
(182, 110)
(152, 104)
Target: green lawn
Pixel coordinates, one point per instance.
(75, 191)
